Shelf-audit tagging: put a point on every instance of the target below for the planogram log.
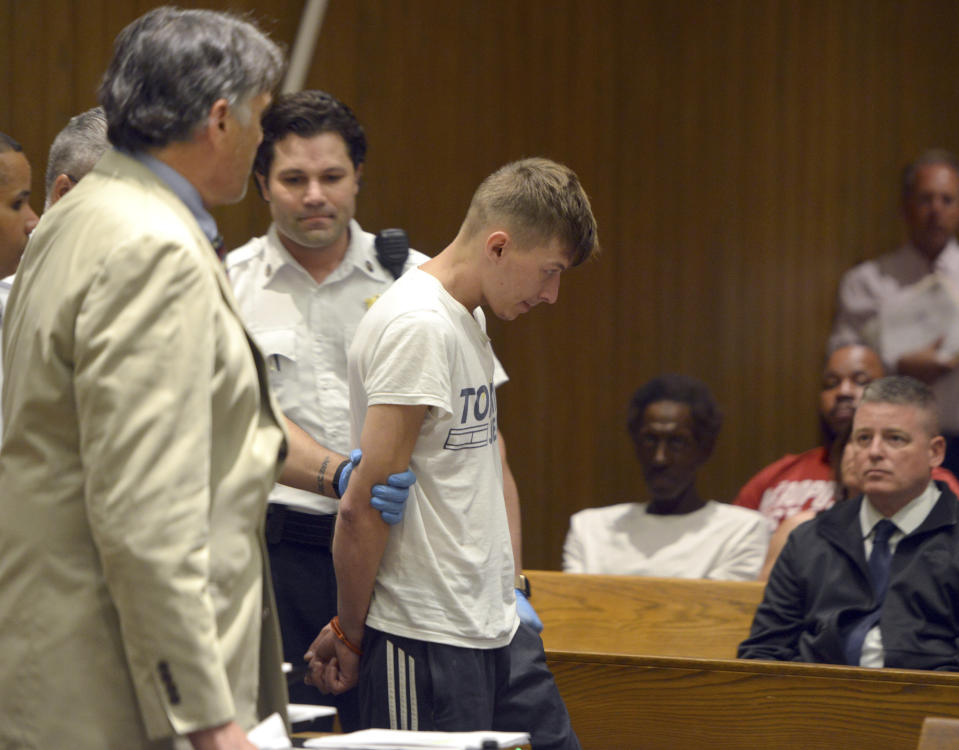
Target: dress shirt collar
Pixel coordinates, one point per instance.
(276, 254)
(361, 255)
(357, 256)
(907, 518)
(183, 189)
(946, 262)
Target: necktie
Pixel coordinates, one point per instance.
(879, 575)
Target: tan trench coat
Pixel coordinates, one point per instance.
(140, 444)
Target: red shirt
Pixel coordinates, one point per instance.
(802, 482)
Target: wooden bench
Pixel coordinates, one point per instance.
(653, 703)
(647, 616)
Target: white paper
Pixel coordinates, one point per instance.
(307, 712)
(915, 318)
(270, 734)
(926, 311)
(398, 739)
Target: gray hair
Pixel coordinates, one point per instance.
(927, 158)
(906, 391)
(170, 65)
(76, 148)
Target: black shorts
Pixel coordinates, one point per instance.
(419, 685)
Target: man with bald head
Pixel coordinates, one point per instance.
(873, 581)
(870, 291)
(806, 481)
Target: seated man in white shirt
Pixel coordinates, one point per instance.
(674, 422)
(873, 581)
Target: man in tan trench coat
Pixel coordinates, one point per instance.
(140, 439)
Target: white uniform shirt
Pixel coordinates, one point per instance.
(879, 284)
(718, 541)
(304, 330)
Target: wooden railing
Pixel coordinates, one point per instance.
(649, 663)
(672, 703)
(648, 616)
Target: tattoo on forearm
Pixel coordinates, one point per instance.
(321, 477)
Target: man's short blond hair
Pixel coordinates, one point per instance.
(539, 200)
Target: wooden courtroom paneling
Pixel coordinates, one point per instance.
(663, 703)
(739, 155)
(54, 55)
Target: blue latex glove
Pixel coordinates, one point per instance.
(526, 612)
(344, 479)
(390, 498)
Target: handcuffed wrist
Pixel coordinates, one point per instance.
(338, 632)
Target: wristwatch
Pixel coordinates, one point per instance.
(521, 582)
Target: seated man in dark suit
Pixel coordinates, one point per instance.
(873, 581)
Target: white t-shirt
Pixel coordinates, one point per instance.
(718, 541)
(447, 573)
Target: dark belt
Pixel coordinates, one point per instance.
(284, 524)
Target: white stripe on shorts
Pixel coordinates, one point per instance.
(404, 692)
(390, 692)
(401, 697)
(414, 718)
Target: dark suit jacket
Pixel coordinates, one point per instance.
(820, 587)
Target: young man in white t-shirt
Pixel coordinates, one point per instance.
(427, 613)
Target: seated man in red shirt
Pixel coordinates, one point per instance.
(796, 487)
